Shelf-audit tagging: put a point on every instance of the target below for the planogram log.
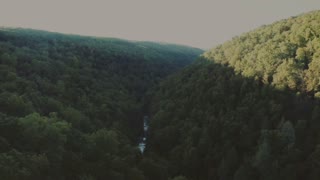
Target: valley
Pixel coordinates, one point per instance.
(87, 108)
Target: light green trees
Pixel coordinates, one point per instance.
(312, 78)
(288, 75)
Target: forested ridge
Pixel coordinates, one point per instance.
(246, 109)
(71, 107)
(284, 54)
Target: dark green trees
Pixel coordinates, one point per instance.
(71, 106)
(247, 109)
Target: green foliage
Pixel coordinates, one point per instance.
(16, 165)
(284, 53)
(247, 109)
(43, 133)
(229, 127)
(71, 107)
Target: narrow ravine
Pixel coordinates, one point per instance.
(143, 138)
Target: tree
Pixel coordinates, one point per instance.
(312, 76)
(288, 134)
(288, 75)
(46, 135)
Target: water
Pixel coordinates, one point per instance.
(143, 139)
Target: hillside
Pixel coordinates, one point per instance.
(247, 109)
(71, 106)
(284, 54)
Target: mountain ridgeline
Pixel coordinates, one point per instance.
(72, 107)
(246, 110)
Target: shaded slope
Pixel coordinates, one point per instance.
(247, 109)
(209, 123)
(70, 106)
(73, 69)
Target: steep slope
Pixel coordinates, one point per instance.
(70, 106)
(247, 109)
(285, 54)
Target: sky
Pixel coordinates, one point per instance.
(197, 23)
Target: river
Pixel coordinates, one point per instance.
(143, 138)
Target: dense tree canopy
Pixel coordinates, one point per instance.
(71, 107)
(247, 109)
(284, 54)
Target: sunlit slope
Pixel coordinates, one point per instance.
(285, 54)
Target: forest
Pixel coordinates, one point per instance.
(72, 107)
(247, 109)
